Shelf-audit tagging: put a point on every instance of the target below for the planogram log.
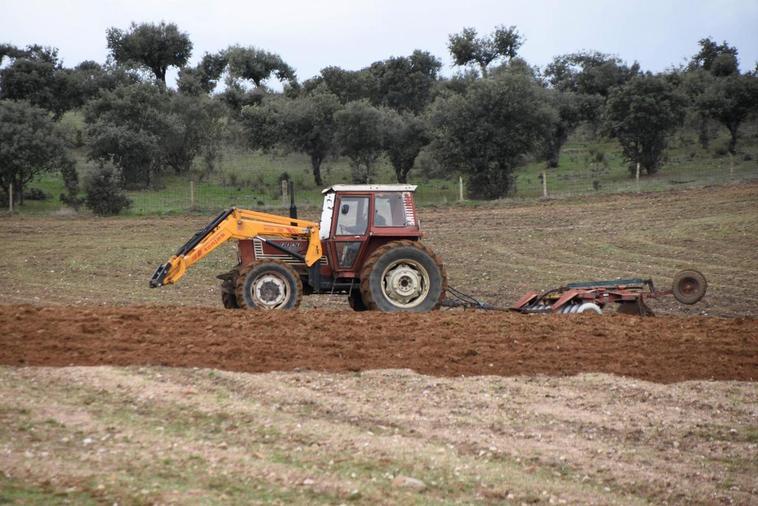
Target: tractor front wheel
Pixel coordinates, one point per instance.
(269, 285)
(229, 288)
(403, 276)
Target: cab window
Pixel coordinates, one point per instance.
(389, 210)
(353, 216)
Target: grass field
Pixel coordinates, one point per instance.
(587, 166)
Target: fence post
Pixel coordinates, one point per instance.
(10, 197)
(285, 192)
(544, 184)
(460, 188)
(192, 195)
(637, 177)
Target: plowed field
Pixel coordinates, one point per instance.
(443, 343)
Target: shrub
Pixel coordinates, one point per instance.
(721, 150)
(71, 182)
(36, 194)
(596, 155)
(104, 195)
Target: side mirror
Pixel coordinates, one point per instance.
(345, 208)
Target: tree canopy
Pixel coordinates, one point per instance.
(404, 83)
(257, 65)
(29, 145)
(404, 138)
(360, 133)
(304, 124)
(502, 44)
(485, 132)
(641, 115)
(730, 100)
(718, 59)
(153, 46)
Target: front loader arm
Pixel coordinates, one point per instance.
(236, 224)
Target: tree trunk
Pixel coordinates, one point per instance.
(18, 192)
(553, 156)
(401, 174)
(160, 74)
(733, 129)
(554, 145)
(704, 133)
(316, 166)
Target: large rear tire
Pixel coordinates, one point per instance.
(403, 276)
(355, 300)
(269, 285)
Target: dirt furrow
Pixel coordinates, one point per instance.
(443, 343)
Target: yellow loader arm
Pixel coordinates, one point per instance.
(237, 224)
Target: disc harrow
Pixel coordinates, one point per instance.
(629, 295)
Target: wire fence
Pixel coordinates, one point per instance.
(600, 179)
(190, 196)
(179, 195)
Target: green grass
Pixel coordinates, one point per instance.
(252, 179)
(20, 492)
(589, 166)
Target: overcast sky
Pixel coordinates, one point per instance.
(313, 34)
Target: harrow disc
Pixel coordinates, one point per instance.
(689, 286)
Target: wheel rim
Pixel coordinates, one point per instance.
(269, 291)
(405, 283)
(689, 285)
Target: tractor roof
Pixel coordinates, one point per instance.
(370, 188)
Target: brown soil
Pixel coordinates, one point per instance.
(443, 343)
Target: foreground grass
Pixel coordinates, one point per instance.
(172, 436)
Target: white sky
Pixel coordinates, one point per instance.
(313, 34)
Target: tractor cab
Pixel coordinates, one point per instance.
(374, 209)
(357, 219)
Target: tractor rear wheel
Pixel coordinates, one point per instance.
(269, 285)
(356, 300)
(403, 276)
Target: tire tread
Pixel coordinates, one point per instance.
(371, 261)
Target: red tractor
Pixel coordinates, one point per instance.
(367, 245)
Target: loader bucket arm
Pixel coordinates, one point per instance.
(236, 224)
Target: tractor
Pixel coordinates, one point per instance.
(367, 245)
